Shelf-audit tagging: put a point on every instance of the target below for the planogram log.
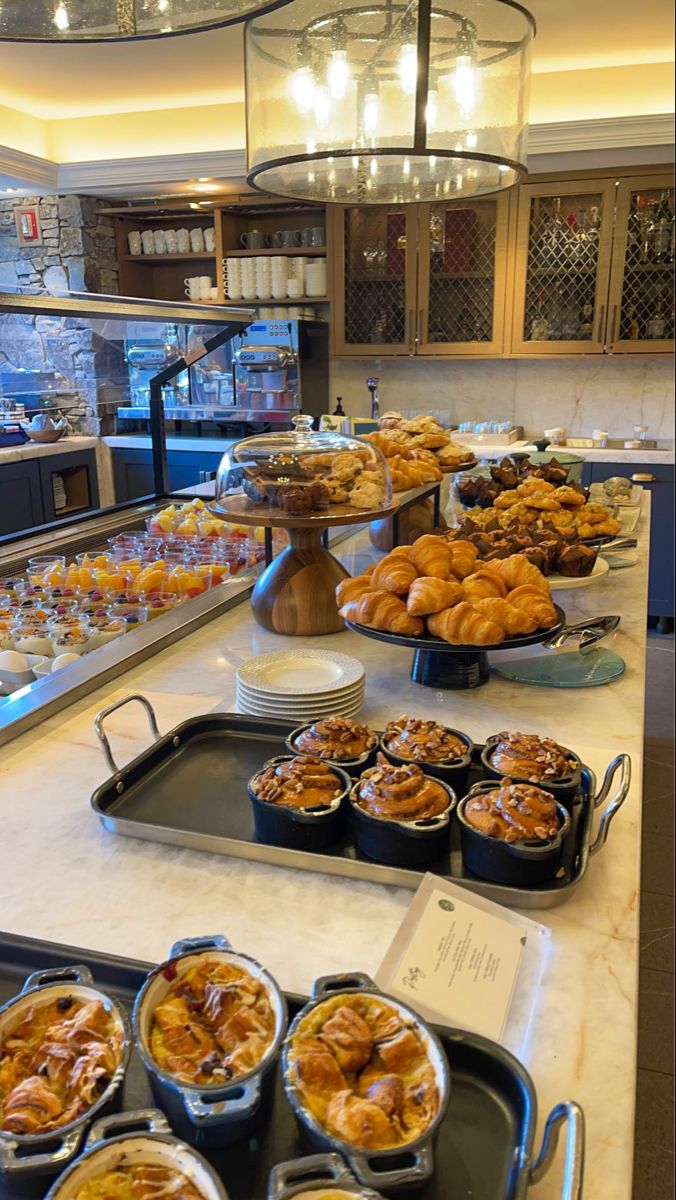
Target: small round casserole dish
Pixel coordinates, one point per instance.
(384, 802)
(281, 822)
(428, 744)
(527, 756)
(527, 863)
(101, 1066)
(318, 1177)
(137, 1144)
(367, 1032)
(209, 1102)
(339, 741)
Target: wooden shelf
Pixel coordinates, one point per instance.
(288, 251)
(272, 303)
(154, 260)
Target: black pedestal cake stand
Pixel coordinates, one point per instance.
(438, 664)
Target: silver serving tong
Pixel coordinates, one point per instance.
(627, 543)
(588, 633)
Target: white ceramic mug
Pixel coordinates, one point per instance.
(266, 314)
(232, 278)
(280, 275)
(213, 296)
(315, 278)
(192, 287)
(279, 314)
(210, 238)
(206, 284)
(183, 241)
(171, 238)
(135, 243)
(148, 241)
(294, 288)
(160, 239)
(197, 240)
(293, 313)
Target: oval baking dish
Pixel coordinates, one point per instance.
(318, 1177)
(398, 842)
(47, 1153)
(136, 1140)
(565, 788)
(209, 1114)
(523, 864)
(408, 1164)
(453, 770)
(353, 766)
(300, 828)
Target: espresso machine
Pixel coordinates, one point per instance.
(281, 368)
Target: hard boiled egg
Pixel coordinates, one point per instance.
(64, 660)
(13, 662)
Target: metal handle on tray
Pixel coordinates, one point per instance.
(240, 1100)
(571, 1114)
(417, 1172)
(12, 1163)
(620, 762)
(317, 1169)
(75, 974)
(106, 712)
(141, 1120)
(326, 984)
(189, 945)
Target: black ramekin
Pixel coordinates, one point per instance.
(209, 1115)
(301, 1176)
(453, 771)
(353, 766)
(300, 828)
(521, 864)
(565, 789)
(410, 1165)
(24, 1157)
(401, 843)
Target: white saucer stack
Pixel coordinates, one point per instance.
(301, 685)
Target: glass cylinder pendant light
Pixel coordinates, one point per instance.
(387, 102)
(119, 20)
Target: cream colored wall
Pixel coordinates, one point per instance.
(138, 134)
(613, 392)
(584, 95)
(22, 132)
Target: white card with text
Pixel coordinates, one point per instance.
(457, 958)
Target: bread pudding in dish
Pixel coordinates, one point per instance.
(142, 1181)
(57, 1062)
(362, 1068)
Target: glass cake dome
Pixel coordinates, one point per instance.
(302, 474)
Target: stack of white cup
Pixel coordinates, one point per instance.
(295, 284)
(248, 268)
(280, 275)
(232, 278)
(315, 278)
(200, 288)
(263, 278)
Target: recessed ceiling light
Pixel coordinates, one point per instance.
(204, 179)
(205, 187)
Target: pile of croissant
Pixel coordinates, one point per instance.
(443, 589)
(416, 447)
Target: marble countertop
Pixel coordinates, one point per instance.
(65, 445)
(64, 878)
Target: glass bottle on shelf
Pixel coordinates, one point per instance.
(539, 330)
(553, 237)
(633, 327)
(585, 327)
(657, 324)
(647, 226)
(634, 236)
(662, 231)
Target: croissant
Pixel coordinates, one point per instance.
(484, 582)
(464, 626)
(394, 573)
(514, 621)
(383, 610)
(430, 595)
(352, 588)
(517, 570)
(432, 556)
(463, 558)
(536, 603)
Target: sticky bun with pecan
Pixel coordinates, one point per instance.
(303, 781)
(214, 1024)
(514, 812)
(423, 741)
(335, 739)
(526, 756)
(400, 793)
(56, 1063)
(363, 1072)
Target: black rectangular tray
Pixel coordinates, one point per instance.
(485, 1145)
(189, 789)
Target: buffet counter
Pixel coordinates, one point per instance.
(135, 898)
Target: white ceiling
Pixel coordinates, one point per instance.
(56, 82)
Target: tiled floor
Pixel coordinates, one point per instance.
(654, 1149)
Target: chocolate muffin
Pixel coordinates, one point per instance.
(576, 560)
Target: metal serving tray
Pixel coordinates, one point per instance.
(485, 1145)
(189, 789)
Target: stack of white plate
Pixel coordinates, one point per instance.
(301, 685)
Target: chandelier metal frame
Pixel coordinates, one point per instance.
(127, 17)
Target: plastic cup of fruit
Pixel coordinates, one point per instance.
(43, 608)
(48, 569)
(31, 637)
(163, 522)
(6, 636)
(124, 545)
(159, 603)
(93, 559)
(132, 614)
(10, 584)
(188, 581)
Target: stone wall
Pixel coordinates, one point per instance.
(77, 255)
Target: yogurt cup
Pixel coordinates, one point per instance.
(31, 637)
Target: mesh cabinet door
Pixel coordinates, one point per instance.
(462, 277)
(642, 280)
(375, 280)
(562, 267)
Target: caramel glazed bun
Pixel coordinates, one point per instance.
(424, 741)
(514, 812)
(363, 1072)
(335, 738)
(526, 756)
(300, 782)
(400, 793)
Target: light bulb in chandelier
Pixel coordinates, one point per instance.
(408, 59)
(322, 105)
(303, 87)
(465, 84)
(432, 107)
(61, 18)
(371, 109)
(338, 74)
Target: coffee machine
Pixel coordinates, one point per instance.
(281, 368)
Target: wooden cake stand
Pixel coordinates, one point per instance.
(296, 594)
